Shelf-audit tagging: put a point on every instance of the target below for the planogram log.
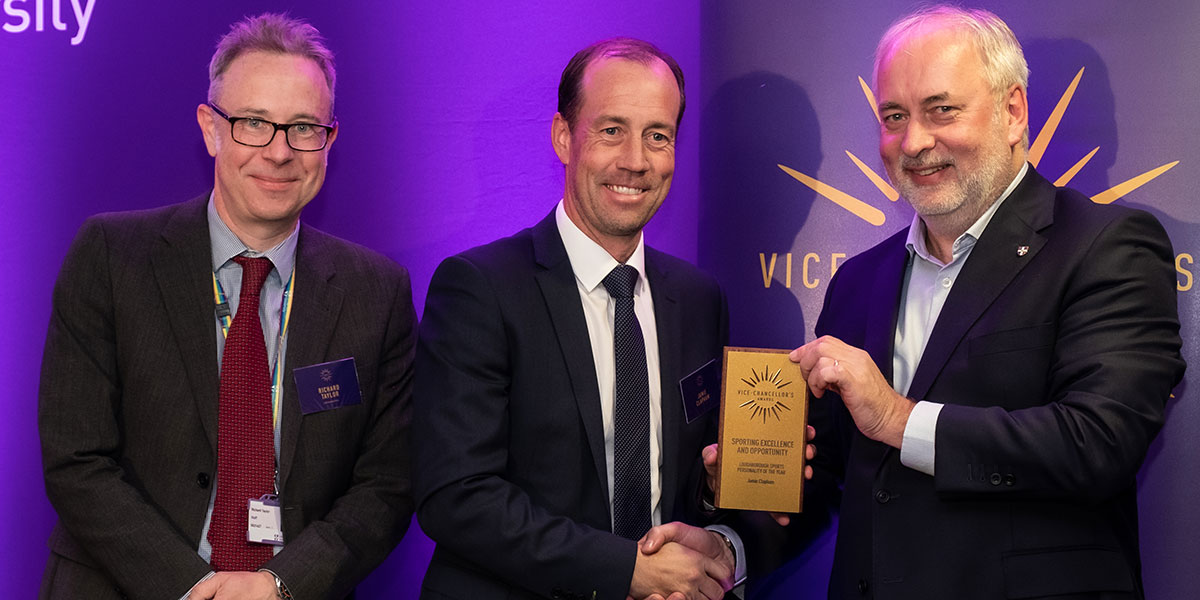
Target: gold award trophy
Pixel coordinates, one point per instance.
(764, 415)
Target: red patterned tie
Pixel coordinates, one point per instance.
(245, 448)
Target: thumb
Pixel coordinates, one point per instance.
(656, 537)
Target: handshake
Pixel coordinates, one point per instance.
(677, 561)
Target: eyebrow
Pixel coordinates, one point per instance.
(934, 99)
(670, 127)
(297, 118)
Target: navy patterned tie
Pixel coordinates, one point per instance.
(631, 408)
(245, 448)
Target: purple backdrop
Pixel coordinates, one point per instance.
(445, 114)
(445, 110)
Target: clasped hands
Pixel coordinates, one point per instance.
(236, 585)
(676, 556)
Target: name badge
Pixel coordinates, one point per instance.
(701, 390)
(265, 522)
(327, 386)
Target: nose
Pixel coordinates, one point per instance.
(278, 150)
(916, 138)
(633, 156)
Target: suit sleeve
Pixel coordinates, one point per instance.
(1114, 361)
(79, 399)
(465, 500)
(334, 553)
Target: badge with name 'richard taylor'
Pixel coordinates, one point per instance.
(764, 415)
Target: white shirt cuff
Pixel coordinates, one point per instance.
(917, 449)
(739, 551)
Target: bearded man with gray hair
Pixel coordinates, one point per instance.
(989, 379)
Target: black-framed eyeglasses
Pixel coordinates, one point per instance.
(258, 133)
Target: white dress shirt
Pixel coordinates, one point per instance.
(591, 265)
(927, 283)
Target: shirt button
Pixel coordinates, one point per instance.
(863, 586)
(946, 282)
(202, 480)
(883, 496)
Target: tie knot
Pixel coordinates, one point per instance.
(620, 281)
(254, 273)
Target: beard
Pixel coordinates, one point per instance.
(973, 189)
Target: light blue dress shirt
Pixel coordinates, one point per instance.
(927, 283)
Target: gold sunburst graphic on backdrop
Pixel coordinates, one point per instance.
(1037, 149)
(765, 406)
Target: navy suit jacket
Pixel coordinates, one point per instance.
(509, 443)
(128, 411)
(1054, 355)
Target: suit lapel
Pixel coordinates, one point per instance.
(556, 280)
(182, 266)
(1010, 241)
(888, 281)
(316, 305)
(668, 326)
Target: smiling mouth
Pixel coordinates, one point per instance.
(624, 190)
(273, 182)
(927, 171)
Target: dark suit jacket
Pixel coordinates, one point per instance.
(1054, 354)
(509, 444)
(128, 411)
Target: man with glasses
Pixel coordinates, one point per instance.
(193, 449)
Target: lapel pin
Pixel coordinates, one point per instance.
(1022, 250)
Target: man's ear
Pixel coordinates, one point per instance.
(1016, 114)
(560, 137)
(207, 121)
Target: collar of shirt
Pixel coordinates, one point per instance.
(591, 262)
(915, 244)
(226, 245)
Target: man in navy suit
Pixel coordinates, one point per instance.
(991, 377)
(517, 441)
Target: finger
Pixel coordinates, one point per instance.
(711, 589)
(810, 432)
(818, 378)
(709, 454)
(781, 518)
(808, 472)
(677, 596)
(810, 452)
(720, 570)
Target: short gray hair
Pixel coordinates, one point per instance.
(275, 33)
(1003, 60)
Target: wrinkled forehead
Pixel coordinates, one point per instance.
(930, 36)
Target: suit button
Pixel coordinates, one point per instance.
(996, 479)
(883, 496)
(863, 586)
(1010, 480)
(202, 480)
